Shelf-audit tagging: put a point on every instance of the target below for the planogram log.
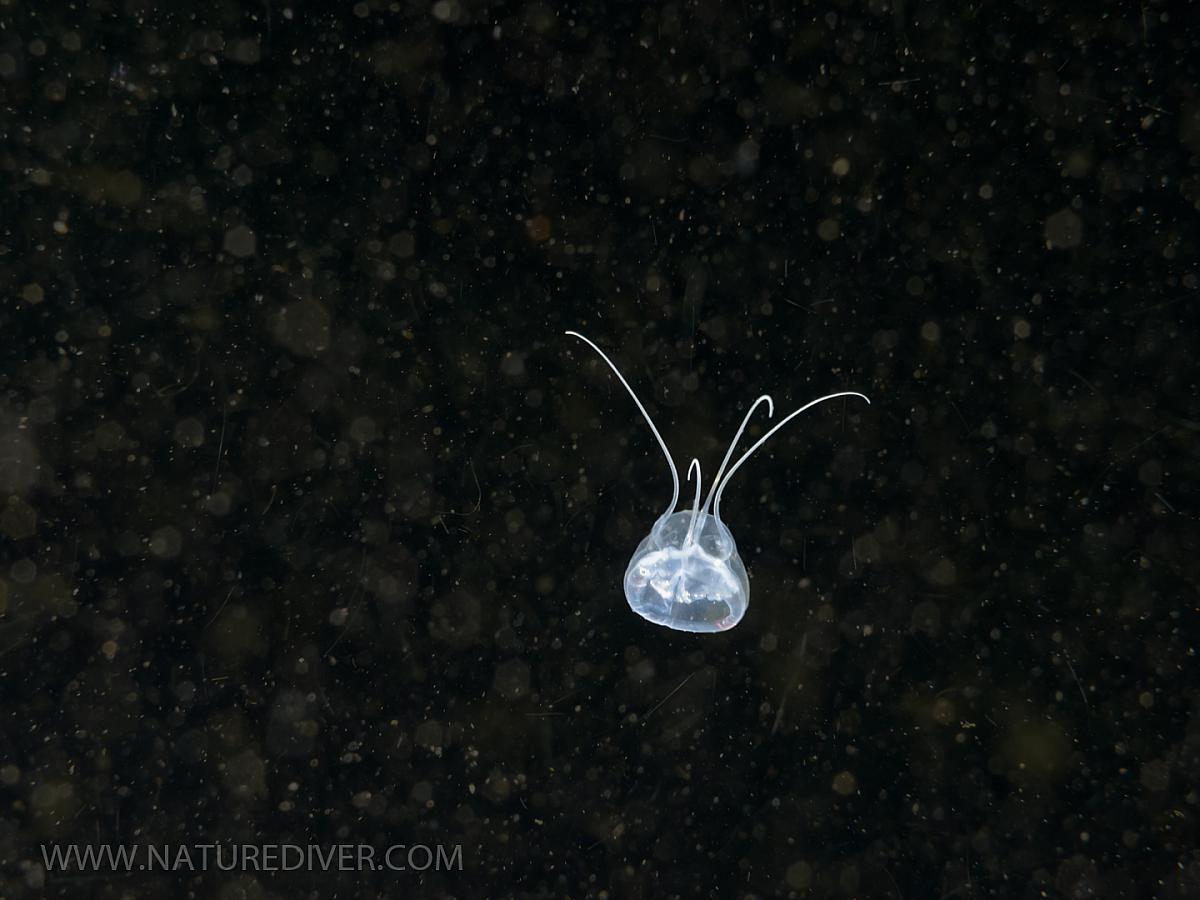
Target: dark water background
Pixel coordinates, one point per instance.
(314, 522)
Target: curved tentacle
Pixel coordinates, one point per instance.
(765, 398)
(687, 541)
(645, 415)
(766, 437)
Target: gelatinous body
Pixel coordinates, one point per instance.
(701, 586)
(686, 573)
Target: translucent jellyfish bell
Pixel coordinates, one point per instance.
(686, 573)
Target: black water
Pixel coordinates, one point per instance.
(314, 522)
